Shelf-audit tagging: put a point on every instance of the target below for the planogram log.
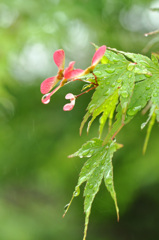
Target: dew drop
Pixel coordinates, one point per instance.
(119, 80)
(148, 87)
(115, 60)
(143, 125)
(155, 95)
(107, 82)
(107, 92)
(87, 165)
(94, 189)
(109, 181)
(76, 192)
(133, 111)
(90, 186)
(130, 66)
(110, 70)
(148, 75)
(98, 73)
(138, 108)
(66, 206)
(124, 94)
(85, 152)
(124, 107)
(113, 85)
(46, 98)
(91, 108)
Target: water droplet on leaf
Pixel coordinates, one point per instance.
(109, 181)
(124, 94)
(119, 80)
(110, 70)
(124, 107)
(155, 94)
(148, 87)
(130, 66)
(143, 125)
(66, 206)
(133, 111)
(76, 192)
(46, 98)
(148, 75)
(87, 165)
(98, 73)
(91, 108)
(107, 93)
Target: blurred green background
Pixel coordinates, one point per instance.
(36, 177)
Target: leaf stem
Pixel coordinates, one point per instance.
(95, 77)
(122, 125)
(68, 206)
(86, 91)
(151, 123)
(82, 80)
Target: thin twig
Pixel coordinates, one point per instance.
(151, 33)
(95, 77)
(86, 91)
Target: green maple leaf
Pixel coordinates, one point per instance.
(116, 79)
(127, 79)
(97, 167)
(145, 91)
